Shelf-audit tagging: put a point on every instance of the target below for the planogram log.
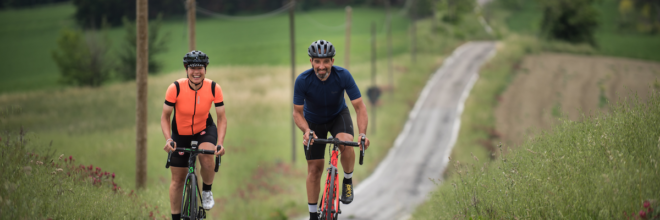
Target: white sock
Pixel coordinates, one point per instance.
(312, 207)
(348, 175)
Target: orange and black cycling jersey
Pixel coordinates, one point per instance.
(191, 108)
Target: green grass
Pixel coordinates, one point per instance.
(603, 167)
(97, 125)
(29, 36)
(610, 39)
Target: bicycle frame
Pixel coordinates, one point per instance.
(192, 178)
(331, 186)
(330, 200)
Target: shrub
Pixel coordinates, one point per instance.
(127, 56)
(82, 58)
(569, 20)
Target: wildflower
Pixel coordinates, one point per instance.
(59, 170)
(40, 163)
(113, 175)
(61, 157)
(642, 214)
(70, 157)
(647, 204)
(151, 214)
(53, 172)
(90, 167)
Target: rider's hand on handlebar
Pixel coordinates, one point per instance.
(220, 152)
(169, 148)
(366, 141)
(306, 137)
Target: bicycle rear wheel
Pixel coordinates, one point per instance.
(329, 212)
(189, 198)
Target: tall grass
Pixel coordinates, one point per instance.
(36, 184)
(603, 167)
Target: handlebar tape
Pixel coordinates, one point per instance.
(217, 160)
(362, 140)
(169, 155)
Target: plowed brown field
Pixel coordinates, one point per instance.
(549, 86)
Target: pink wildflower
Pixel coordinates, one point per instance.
(647, 204)
(642, 214)
(113, 175)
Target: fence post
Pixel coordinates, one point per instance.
(388, 24)
(413, 29)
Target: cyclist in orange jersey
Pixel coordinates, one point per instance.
(191, 98)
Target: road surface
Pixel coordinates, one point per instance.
(421, 151)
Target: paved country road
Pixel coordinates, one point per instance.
(421, 151)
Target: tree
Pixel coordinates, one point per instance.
(82, 58)
(157, 45)
(569, 20)
(451, 11)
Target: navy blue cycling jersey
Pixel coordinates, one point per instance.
(324, 100)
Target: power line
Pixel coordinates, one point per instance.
(245, 18)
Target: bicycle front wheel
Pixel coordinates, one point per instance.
(189, 198)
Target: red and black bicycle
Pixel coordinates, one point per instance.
(330, 201)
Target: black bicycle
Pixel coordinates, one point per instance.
(330, 201)
(191, 193)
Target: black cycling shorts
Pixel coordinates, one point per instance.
(340, 124)
(180, 159)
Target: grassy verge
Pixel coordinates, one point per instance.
(603, 167)
(40, 185)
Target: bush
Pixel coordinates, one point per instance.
(127, 56)
(82, 58)
(569, 20)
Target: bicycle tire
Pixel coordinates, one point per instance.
(330, 199)
(189, 199)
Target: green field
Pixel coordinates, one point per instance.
(610, 39)
(97, 125)
(31, 35)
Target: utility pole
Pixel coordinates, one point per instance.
(191, 25)
(413, 29)
(292, 38)
(347, 49)
(373, 92)
(142, 20)
(390, 68)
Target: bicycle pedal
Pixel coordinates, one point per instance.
(201, 214)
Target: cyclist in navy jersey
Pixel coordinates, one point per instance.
(319, 106)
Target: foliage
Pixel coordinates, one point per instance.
(640, 15)
(127, 56)
(39, 185)
(601, 168)
(26, 3)
(82, 58)
(90, 13)
(453, 11)
(573, 21)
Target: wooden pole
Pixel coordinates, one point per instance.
(413, 29)
(373, 73)
(390, 68)
(191, 25)
(292, 38)
(347, 49)
(142, 20)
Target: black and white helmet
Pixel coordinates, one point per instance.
(321, 49)
(195, 58)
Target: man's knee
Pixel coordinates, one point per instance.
(315, 169)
